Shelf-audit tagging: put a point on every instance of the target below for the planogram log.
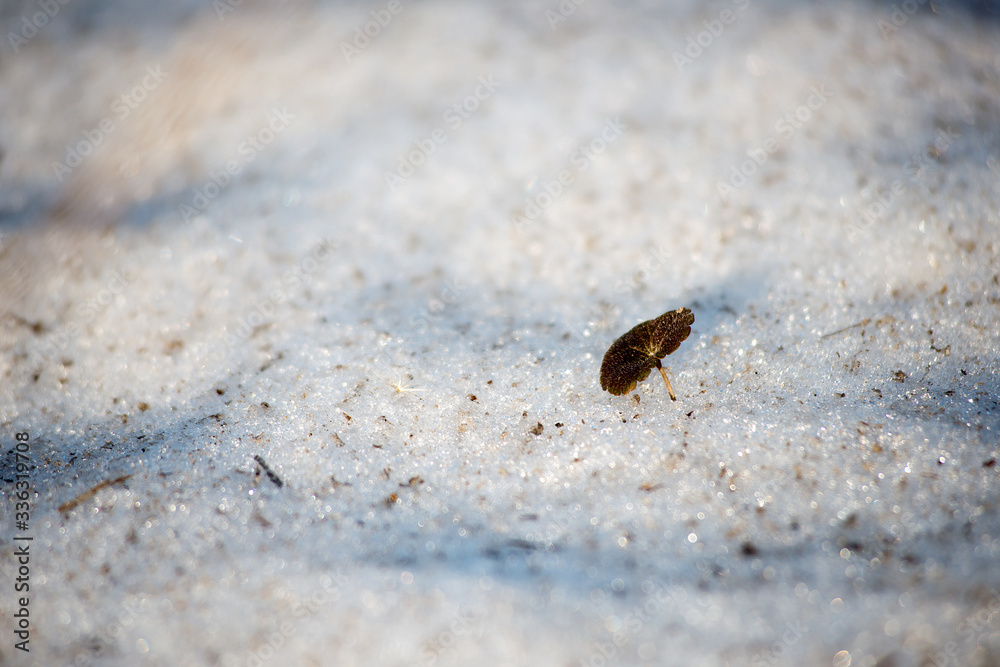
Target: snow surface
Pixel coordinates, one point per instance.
(321, 420)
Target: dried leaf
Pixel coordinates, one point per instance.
(630, 358)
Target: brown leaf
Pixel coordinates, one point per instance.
(630, 358)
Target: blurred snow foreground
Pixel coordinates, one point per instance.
(303, 308)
